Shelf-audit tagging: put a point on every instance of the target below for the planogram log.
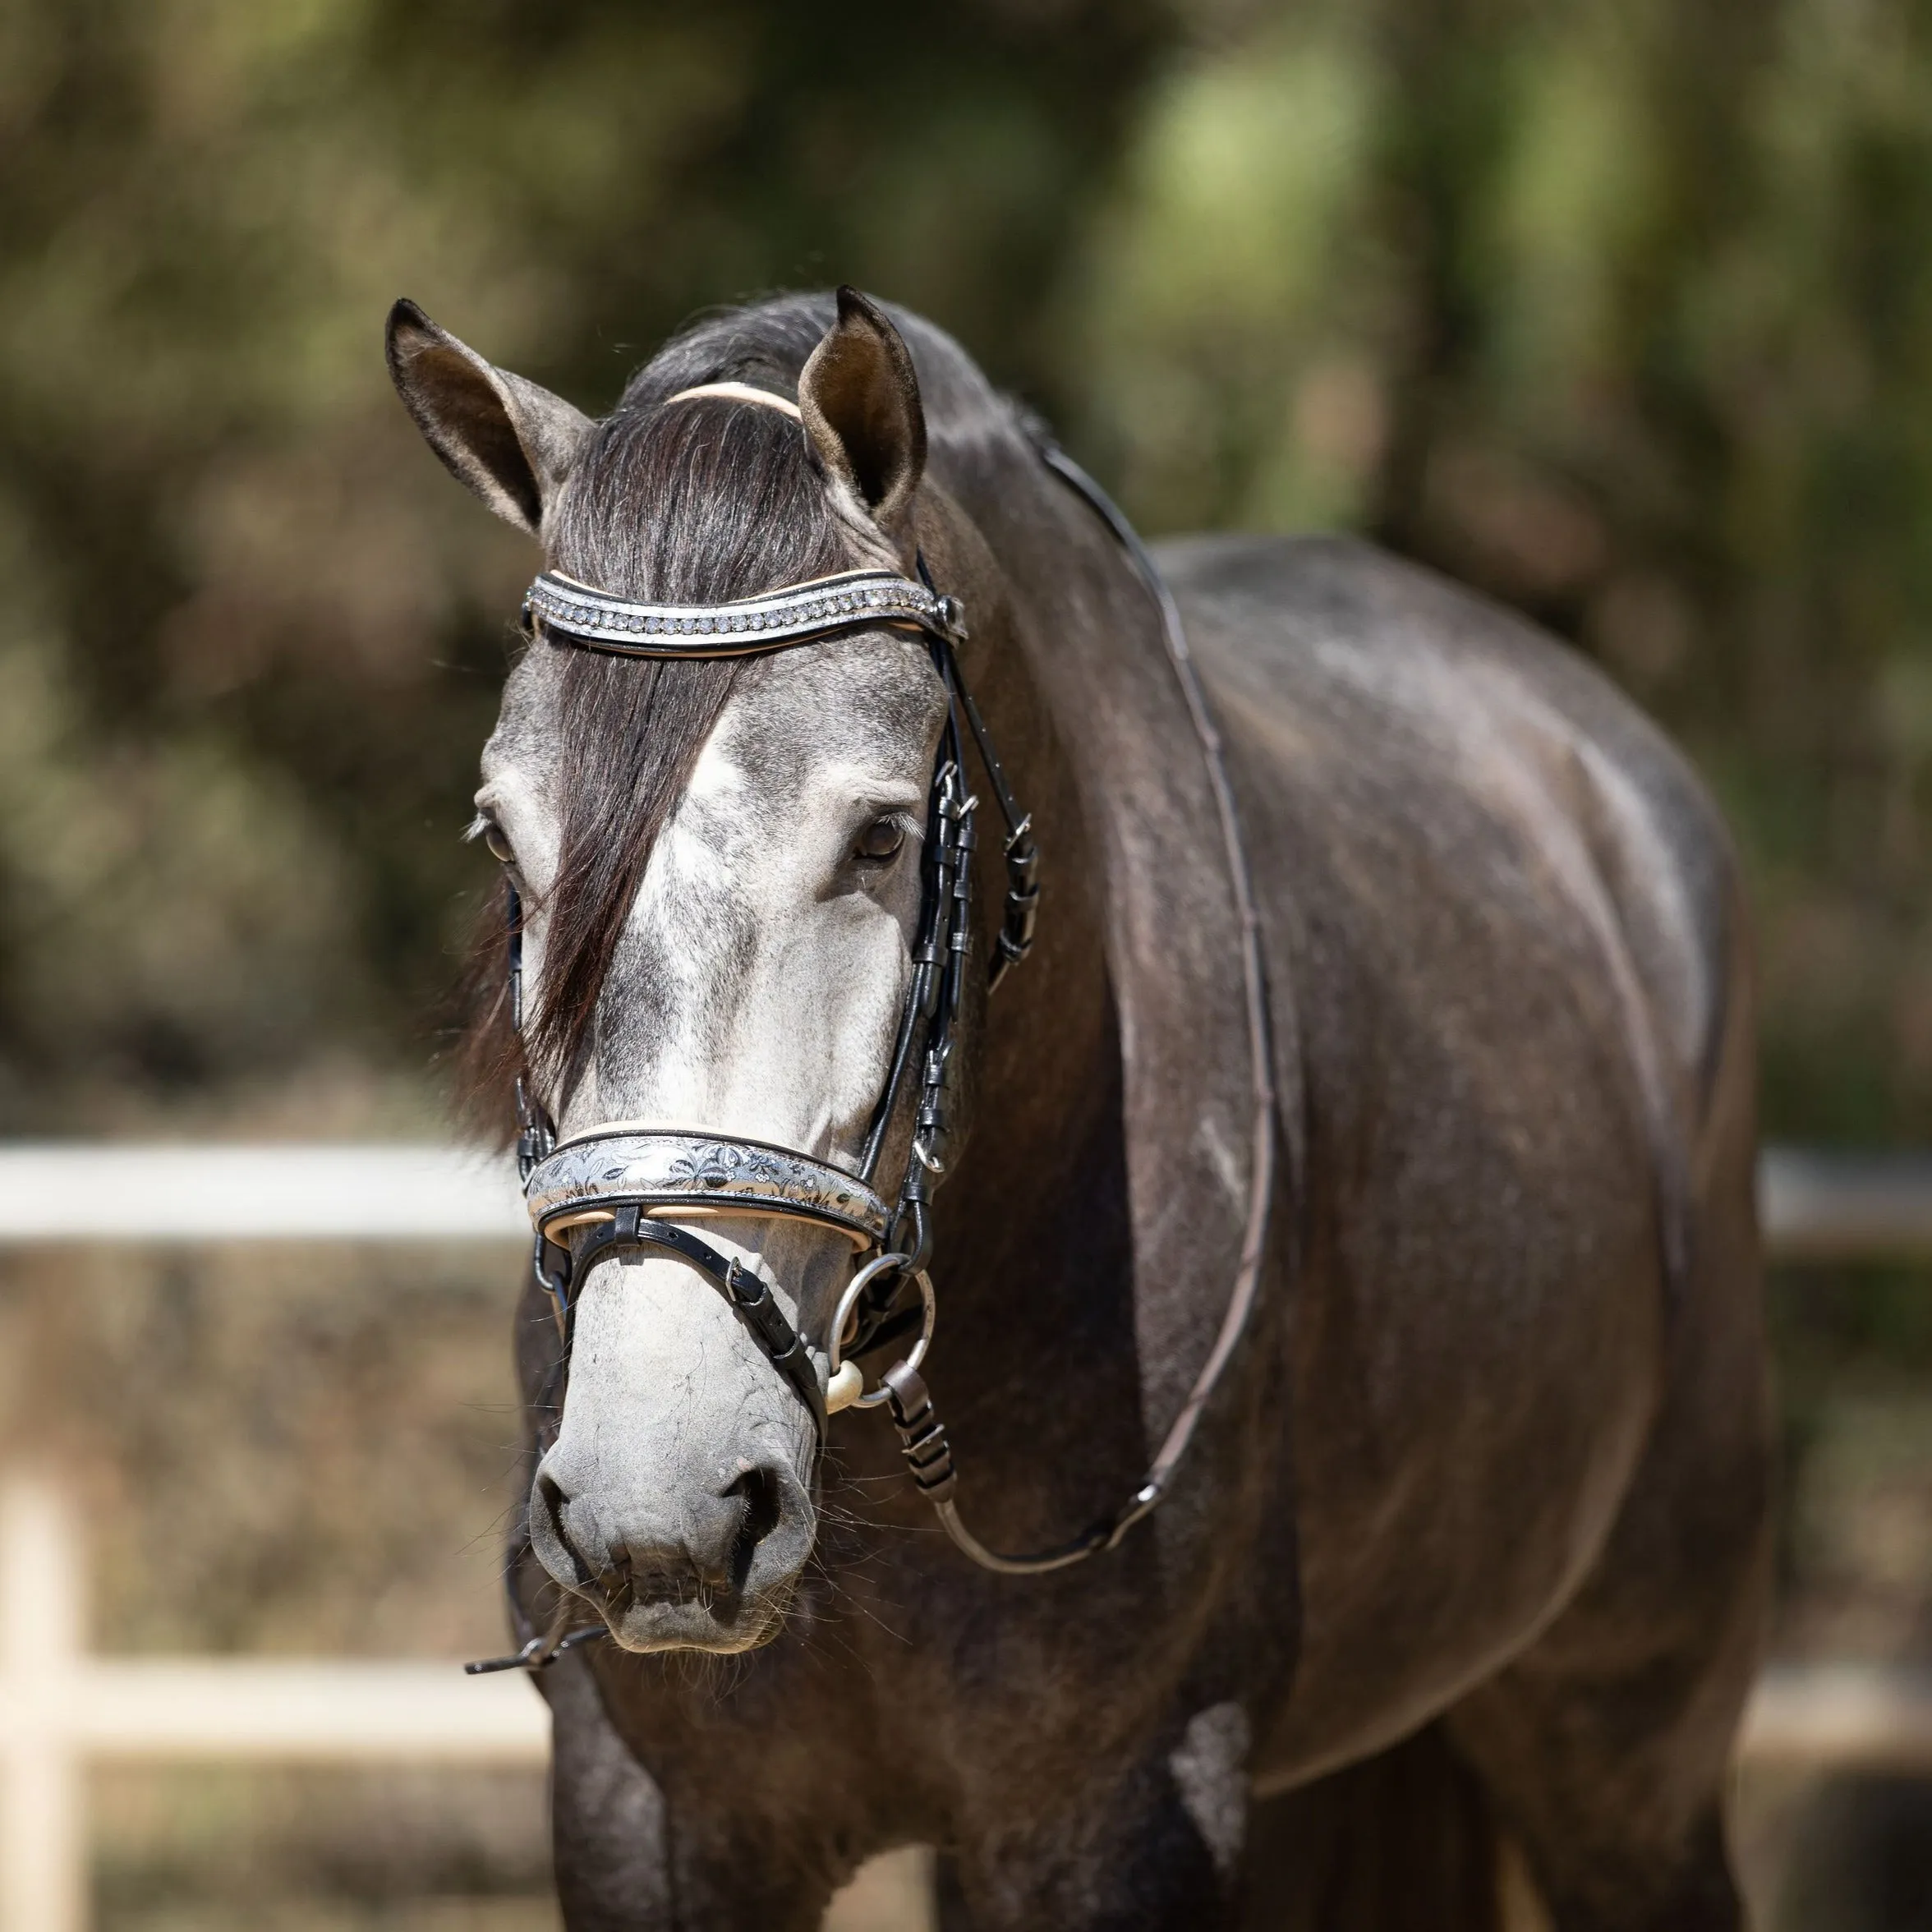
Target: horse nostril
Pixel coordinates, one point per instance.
(551, 1537)
(763, 1507)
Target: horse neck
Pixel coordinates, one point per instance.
(1141, 1107)
(1037, 1202)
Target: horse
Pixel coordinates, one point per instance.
(1368, 1110)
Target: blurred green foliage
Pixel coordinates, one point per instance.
(1620, 310)
(253, 638)
(1623, 311)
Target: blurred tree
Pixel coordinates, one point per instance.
(251, 644)
(1620, 310)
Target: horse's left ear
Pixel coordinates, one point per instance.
(860, 400)
(501, 434)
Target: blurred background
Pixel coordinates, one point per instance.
(1620, 310)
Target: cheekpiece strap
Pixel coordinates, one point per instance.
(798, 612)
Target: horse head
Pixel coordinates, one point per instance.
(720, 864)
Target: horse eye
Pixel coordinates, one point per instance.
(499, 846)
(881, 839)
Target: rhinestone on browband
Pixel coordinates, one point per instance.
(789, 616)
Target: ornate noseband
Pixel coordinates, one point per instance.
(683, 1174)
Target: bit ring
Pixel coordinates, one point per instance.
(860, 1281)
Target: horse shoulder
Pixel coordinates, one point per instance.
(1502, 914)
(1421, 738)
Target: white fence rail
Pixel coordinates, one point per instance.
(61, 1708)
(1815, 1206)
(1833, 1206)
(405, 1192)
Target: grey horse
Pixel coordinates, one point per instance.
(1466, 1568)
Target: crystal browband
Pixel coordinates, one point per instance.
(663, 1169)
(787, 616)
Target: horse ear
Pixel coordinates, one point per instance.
(860, 400)
(509, 440)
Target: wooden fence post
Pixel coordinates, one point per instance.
(43, 1793)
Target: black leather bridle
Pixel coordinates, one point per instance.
(617, 1189)
(611, 1190)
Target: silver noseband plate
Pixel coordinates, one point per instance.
(665, 1169)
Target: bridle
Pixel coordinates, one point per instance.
(622, 1189)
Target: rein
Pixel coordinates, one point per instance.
(620, 1188)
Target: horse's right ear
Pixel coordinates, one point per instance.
(509, 440)
(860, 401)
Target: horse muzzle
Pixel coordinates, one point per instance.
(701, 1558)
